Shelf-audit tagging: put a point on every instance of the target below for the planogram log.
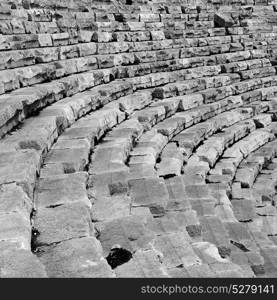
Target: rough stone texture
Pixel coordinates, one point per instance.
(129, 233)
(63, 189)
(149, 193)
(62, 223)
(76, 258)
(16, 262)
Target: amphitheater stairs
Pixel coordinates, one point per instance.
(137, 140)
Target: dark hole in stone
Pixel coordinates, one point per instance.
(158, 160)
(25, 4)
(54, 205)
(157, 211)
(258, 269)
(84, 9)
(167, 176)
(240, 246)
(224, 251)
(118, 256)
(29, 145)
(129, 2)
(35, 234)
(117, 188)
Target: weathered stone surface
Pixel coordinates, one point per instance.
(135, 101)
(204, 207)
(243, 209)
(108, 159)
(149, 193)
(110, 182)
(20, 167)
(246, 175)
(76, 258)
(109, 208)
(170, 167)
(62, 189)
(134, 235)
(13, 199)
(208, 253)
(176, 251)
(197, 191)
(145, 263)
(148, 125)
(223, 20)
(62, 223)
(225, 213)
(213, 231)
(16, 228)
(200, 271)
(269, 255)
(240, 236)
(19, 263)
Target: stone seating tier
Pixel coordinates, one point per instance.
(138, 138)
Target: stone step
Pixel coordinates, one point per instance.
(60, 223)
(76, 258)
(141, 155)
(243, 171)
(90, 128)
(19, 263)
(269, 255)
(253, 164)
(92, 55)
(177, 197)
(128, 145)
(32, 99)
(214, 231)
(215, 94)
(149, 192)
(145, 263)
(176, 251)
(246, 65)
(247, 145)
(214, 146)
(62, 189)
(193, 86)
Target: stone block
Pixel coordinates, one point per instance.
(61, 223)
(148, 192)
(76, 258)
(62, 189)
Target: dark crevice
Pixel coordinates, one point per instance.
(54, 205)
(246, 221)
(118, 256)
(167, 176)
(258, 269)
(35, 234)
